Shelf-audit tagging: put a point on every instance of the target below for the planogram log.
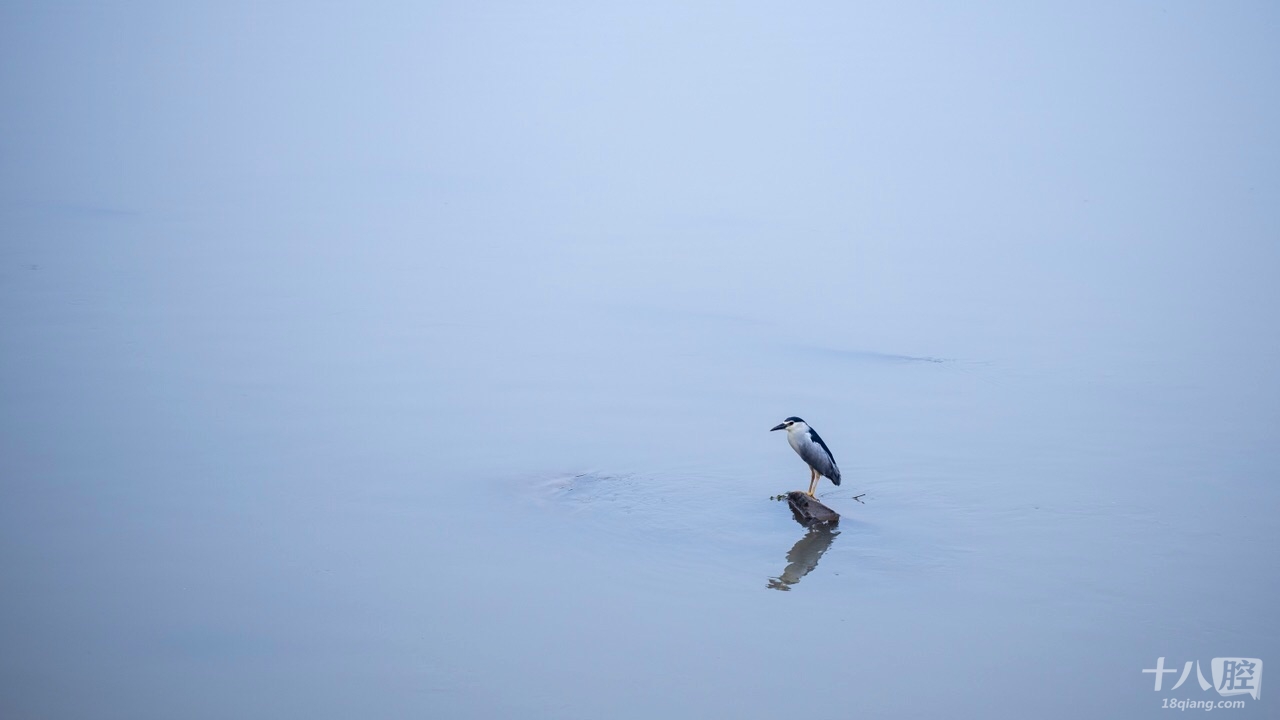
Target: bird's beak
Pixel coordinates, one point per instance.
(779, 426)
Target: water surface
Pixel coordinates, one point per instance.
(421, 363)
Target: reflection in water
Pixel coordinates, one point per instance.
(804, 555)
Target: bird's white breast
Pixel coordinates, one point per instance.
(798, 438)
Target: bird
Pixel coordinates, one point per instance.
(809, 446)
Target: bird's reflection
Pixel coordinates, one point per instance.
(804, 555)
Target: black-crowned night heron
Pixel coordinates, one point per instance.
(811, 449)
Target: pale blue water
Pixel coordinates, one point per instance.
(434, 377)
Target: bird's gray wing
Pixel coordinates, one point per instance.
(819, 457)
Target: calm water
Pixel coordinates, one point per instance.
(441, 401)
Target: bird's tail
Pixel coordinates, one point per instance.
(835, 478)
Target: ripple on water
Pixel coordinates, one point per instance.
(699, 521)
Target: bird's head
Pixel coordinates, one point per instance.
(791, 424)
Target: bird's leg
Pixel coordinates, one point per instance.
(813, 481)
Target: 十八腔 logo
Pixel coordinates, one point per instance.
(1231, 675)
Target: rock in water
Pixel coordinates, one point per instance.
(808, 511)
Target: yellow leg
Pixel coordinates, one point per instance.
(813, 481)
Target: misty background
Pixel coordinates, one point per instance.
(418, 360)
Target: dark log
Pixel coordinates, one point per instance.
(808, 511)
